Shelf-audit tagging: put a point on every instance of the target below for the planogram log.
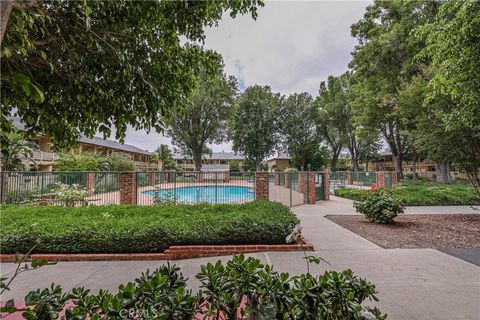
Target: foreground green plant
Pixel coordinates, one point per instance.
(243, 288)
(378, 205)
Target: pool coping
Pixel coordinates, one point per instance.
(172, 253)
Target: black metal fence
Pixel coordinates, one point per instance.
(357, 179)
(59, 187)
(195, 187)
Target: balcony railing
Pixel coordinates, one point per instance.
(44, 156)
(141, 165)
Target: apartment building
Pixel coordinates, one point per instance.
(213, 160)
(46, 159)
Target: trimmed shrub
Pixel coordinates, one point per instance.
(131, 228)
(378, 206)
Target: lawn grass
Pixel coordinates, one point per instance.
(425, 193)
(131, 228)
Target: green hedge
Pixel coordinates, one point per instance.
(424, 193)
(130, 228)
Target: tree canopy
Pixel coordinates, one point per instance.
(298, 129)
(204, 118)
(71, 67)
(253, 129)
(383, 60)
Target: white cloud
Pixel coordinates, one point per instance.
(292, 47)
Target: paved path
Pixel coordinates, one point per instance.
(412, 283)
(338, 205)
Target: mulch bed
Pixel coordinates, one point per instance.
(418, 231)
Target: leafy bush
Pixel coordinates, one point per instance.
(94, 162)
(117, 162)
(83, 162)
(131, 228)
(424, 193)
(165, 199)
(242, 284)
(378, 206)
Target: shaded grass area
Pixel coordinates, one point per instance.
(424, 193)
(130, 228)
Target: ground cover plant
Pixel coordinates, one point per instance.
(131, 228)
(424, 193)
(243, 288)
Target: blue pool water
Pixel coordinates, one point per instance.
(210, 194)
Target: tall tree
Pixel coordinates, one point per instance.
(253, 129)
(71, 67)
(331, 123)
(451, 84)
(162, 155)
(383, 60)
(204, 119)
(297, 127)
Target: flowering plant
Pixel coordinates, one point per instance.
(296, 235)
(70, 194)
(378, 205)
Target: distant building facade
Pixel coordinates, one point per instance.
(46, 159)
(221, 160)
(279, 163)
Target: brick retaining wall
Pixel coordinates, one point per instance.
(172, 253)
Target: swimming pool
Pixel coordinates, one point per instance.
(210, 194)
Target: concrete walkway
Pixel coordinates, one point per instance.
(338, 205)
(412, 283)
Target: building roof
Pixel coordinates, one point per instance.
(96, 141)
(213, 156)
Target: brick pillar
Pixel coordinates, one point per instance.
(152, 177)
(261, 185)
(326, 183)
(287, 180)
(309, 193)
(302, 181)
(128, 188)
(277, 178)
(90, 183)
(199, 177)
(4, 187)
(380, 179)
(349, 178)
(226, 177)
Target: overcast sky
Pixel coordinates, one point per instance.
(292, 47)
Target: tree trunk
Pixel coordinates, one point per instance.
(443, 172)
(355, 164)
(366, 165)
(414, 166)
(334, 162)
(197, 159)
(5, 8)
(258, 164)
(397, 160)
